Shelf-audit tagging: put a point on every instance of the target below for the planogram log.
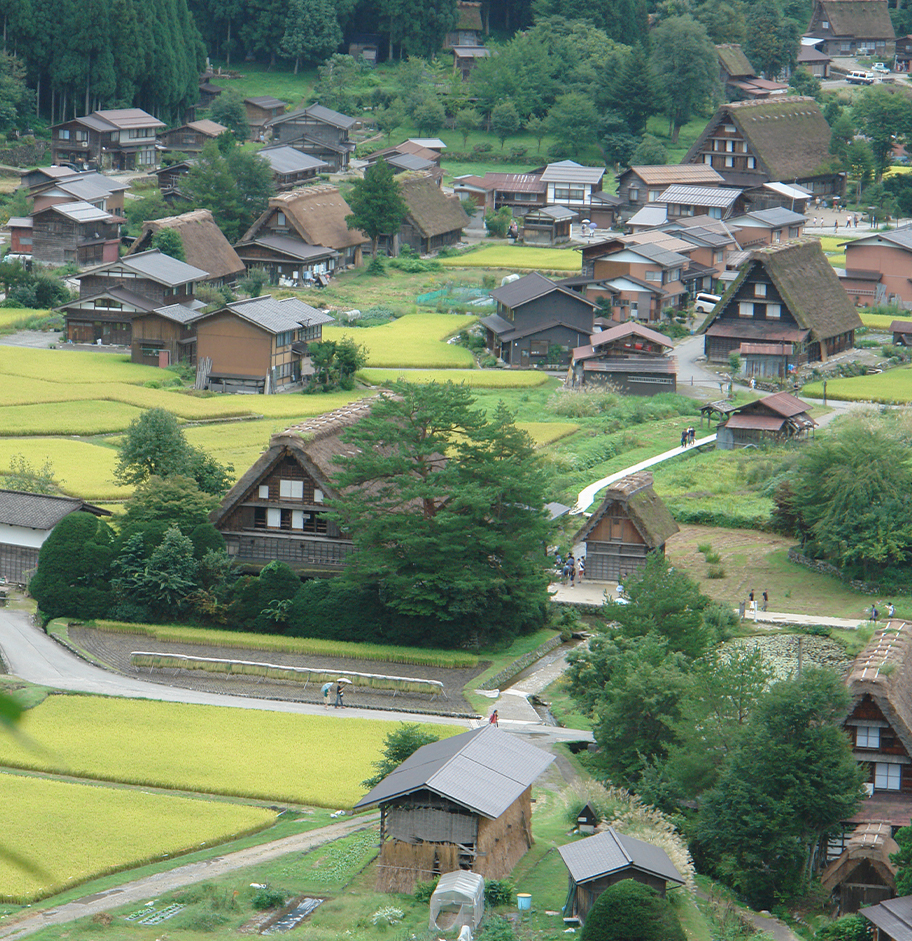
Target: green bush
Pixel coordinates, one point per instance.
(499, 892)
(631, 911)
(713, 557)
(424, 890)
(849, 928)
(268, 898)
(496, 928)
(722, 620)
(716, 571)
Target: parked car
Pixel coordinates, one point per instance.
(706, 302)
(859, 77)
(880, 69)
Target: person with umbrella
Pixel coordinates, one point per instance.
(340, 692)
(327, 687)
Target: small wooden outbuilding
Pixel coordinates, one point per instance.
(602, 860)
(630, 523)
(779, 417)
(461, 803)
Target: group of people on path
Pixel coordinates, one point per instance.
(851, 221)
(571, 569)
(752, 602)
(875, 614)
(688, 436)
(339, 687)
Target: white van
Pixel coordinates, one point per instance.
(860, 78)
(706, 302)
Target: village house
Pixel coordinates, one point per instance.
(170, 177)
(111, 295)
(785, 294)
(879, 727)
(465, 58)
(877, 267)
(290, 167)
(433, 219)
(464, 802)
(738, 78)
(302, 236)
(630, 523)
(638, 186)
(853, 28)
(192, 137)
(469, 26)
(783, 139)
(205, 247)
(778, 418)
(164, 336)
(712, 241)
(521, 192)
(600, 861)
(120, 139)
(26, 521)
(405, 162)
(93, 188)
(319, 132)
(73, 232)
(767, 227)
(364, 46)
(260, 111)
(815, 60)
(891, 920)
(549, 225)
(537, 322)
(258, 345)
(630, 357)
(903, 53)
(277, 511)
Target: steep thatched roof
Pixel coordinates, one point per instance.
(432, 212)
(317, 214)
(807, 284)
(204, 245)
(789, 136)
(734, 61)
(643, 507)
(314, 444)
(469, 15)
(860, 19)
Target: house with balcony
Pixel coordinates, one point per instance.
(629, 357)
(119, 139)
(784, 139)
(277, 511)
(258, 345)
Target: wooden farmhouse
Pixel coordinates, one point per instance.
(170, 177)
(549, 225)
(853, 28)
(191, 138)
(257, 345)
(892, 920)
(302, 236)
(630, 522)
(879, 727)
(767, 227)
(902, 332)
(816, 61)
(278, 511)
(785, 294)
(780, 417)
(738, 78)
(638, 186)
(261, 110)
(461, 803)
(164, 336)
(119, 139)
(74, 233)
(318, 131)
(600, 861)
(26, 521)
(205, 247)
(628, 357)
(783, 139)
(95, 188)
(433, 219)
(537, 322)
(290, 167)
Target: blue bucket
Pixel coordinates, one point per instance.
(524, 901)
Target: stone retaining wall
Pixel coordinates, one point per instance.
(499, 680)
(826, 568)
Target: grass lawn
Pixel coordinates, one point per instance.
(759, 560)
(73, 832)
(518, 257)
(893, 387)
(257, 78)
(206, 749)
(9, 316)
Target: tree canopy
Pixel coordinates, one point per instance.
(376, 203)
(444, 505)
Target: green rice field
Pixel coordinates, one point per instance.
(519, 257)
(893, 387)
(878, 321)
(206, 749)
(69, 833)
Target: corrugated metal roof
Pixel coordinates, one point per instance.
(649, 215)
(515, 182)
(288, 160)
(569, 171)
(721, 197)
(773, 218)
(163, 268)
(484, 770)
(328, 116)
(265, 101)
(684, 173)
(410, 162)
(755, 422)
(610, 851)
(276, 316)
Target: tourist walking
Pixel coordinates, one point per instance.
(327, 688)
(581, 569)
(891, 611)
(684, 438)
(493, 720)
(766, 599)
(340, 692)
(691, 435)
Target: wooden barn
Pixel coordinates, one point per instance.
(629, 357)
(779, 417)
(461, 803)
(600, 861)
(630, 523)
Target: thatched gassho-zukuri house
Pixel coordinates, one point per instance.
(433, 219)
(461, 803)
(600, 861)
(630, 522)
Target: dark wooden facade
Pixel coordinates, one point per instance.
(261, 110)
(59, 239)
(155, 334)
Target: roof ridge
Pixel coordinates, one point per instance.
(321, 426)
(619, 843)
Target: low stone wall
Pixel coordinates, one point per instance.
(826, 568)
(25, 154)
(499, 680)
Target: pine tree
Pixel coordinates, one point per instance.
(311, 32)
(377, 204)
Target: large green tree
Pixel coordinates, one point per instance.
(376, 203)
(884, 116)
(790, 781)
(311, 31)
(772, 39)
(444, 505)
(398, 745)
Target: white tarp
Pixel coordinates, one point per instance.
(461, 893)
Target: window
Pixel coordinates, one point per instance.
(751, 163)
(569, 193)
(291, 489)
(729, 162)
(759, 290)
(280, 219)
(297, 519)
(654, 195)
(707, 158)
(773, 311)
(653, 275)
(285, 338)
(730, 146)
(718, 256)
(264, 491)
(867, 738)
(745, 309)
(887, 777)
(63, 134)
(777, 235)
(824, 24)
(318, 496)
(715, 212)
(538, 347)
(633, 193)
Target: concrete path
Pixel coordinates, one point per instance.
(587, 494)
(151, 887)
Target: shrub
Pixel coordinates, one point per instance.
(499, 892)
(268, 898)
(849, 928)
(424, 890)
(496, 928)
(713, 557)
(722, 620)
(388, 915)
(716, 571)
(631, 911)
(704, 547)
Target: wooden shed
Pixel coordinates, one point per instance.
(630, 523)
(778, 417)
(461, 803)
(602, 860)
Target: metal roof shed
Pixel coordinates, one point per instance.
(460, 893)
